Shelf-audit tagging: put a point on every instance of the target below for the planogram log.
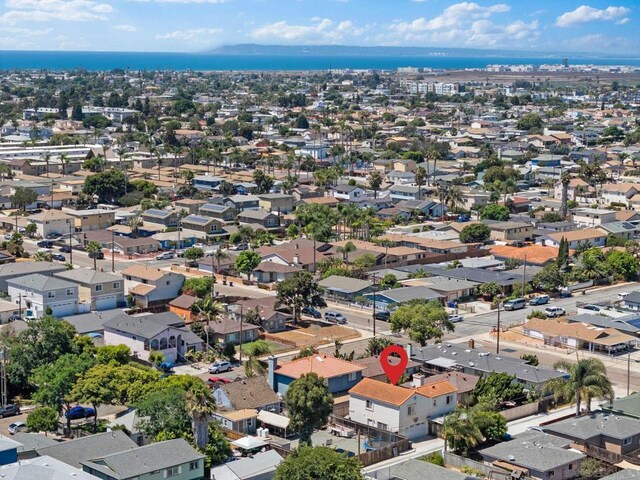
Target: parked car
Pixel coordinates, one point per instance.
(335, 317)
(515, 304)
(165, 256)
(58, 257)
(53, 236)
(622, 295)
(16, 427)
(65, 249)
(539, 300)
(455, 318)
(220, 366)
(14, 318)
(593, 308)
(383, 315)
(553, 312)
(219, 380)
(8, 236)
(98, 255)
(9, 410)
(45, 244)
(311, 311)
(78, 412)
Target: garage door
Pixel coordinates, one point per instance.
(106, 303)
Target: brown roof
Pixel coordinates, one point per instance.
(324, 365)
(50, 215)
(226, 325)
(395, 395)
(144, 271)
(436, 389)
(581, 331)
(142, 289)
(253, 392)
(275, 267)
(578, 235)
(464, 382)
(321, 201)
(536, 254)
(625, 215)
(184, 301)
(619, 187)
(373, 367)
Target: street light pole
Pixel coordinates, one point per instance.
(498, 332)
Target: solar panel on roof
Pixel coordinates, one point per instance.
(197, 219)
(213, 206)
(153, 211)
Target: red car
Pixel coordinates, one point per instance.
(219, 380)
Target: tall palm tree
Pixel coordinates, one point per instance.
(590, 267)
(134, 223)
(434, 156)
(564, 179)
(218, 256)
(47, 159)
(453, 197)
(200, 406)
(42, 257)
(345, 250)
(209, 309)
(587, 380)
(93, 248)
(64, 162)
(420, 177)
(459, 432)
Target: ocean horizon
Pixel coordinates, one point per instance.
(47, 60)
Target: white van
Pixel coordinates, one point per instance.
(515, 304)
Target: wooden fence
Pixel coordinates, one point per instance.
(489, 471)
(606, 455)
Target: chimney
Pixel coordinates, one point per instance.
(409, 349)
(471, 343)
(296, 259)
(418, 380)
(272, 363)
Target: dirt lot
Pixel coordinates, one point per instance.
(314, 335)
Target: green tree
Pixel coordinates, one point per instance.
(375, 181)
(475, 233)
(492, 425)
(345, 250)
(264, 183)
(309, 403)
(376, 345)
(113, 354)
(498, 387)
(550, 278)
(247, 261)
(460, 433)
(490, 290)
(200, 406)
(193, 253)
(22, 197)
(623, 264)
(551, 217)
(93, 248)
(423, 320)
(197, 286)
(324, 463)
(495, 212)
(108, 186)
(563, 254)
(42, 419)
(591, 266)
(164, 412)
(587, 380)
(298, 291)
(389, 281)
(31, 229)
(254, 350)
(41, 343)
(530, 121)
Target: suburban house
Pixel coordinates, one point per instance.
(160, 218)
(222, 213)
(87, 220)
(592, 217)
(52, 222)
(201, 226)
(243, 202)
(259, 219)
(595, 236)
(181, 306)
(345, 288)
(473, 199)
(260, 466)
(510, 231)
(207, 182)
(37, 293)
(175, 239)
(14, 270)
(43, 467)
(406, 192)
(618, 192)
(126, 245)
(272, 320)
(532, 254)
(101, 290)
(449, 288)
(628, 406)
(373, 367)
(614, 433)
(386, 298)
(464, 383)
(350, 193)
(537, 455)
(189, 205)
(578, 190)
(227, 330)
(340, 374)
(164, 333)
(406, 411)
(151, 286)
(270, 272)
(276, 202)
(626, 230)
(168, 459)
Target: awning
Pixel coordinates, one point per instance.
(249, 443)
(442, 362)
(273, 419)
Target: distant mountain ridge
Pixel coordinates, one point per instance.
(346, 50)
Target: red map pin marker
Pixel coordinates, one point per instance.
(394, 367)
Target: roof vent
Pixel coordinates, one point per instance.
(511, 458)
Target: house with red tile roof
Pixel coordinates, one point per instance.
(407, 411)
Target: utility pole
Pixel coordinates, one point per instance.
(71, 244)
(373, 318)
(240, 349)
(3, 373)
(113, 259)
(498, 332)
(524, 271)
(628, 372)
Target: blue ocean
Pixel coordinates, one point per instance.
(201, 61)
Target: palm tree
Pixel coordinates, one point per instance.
(564, 179)
(210, 309)
(218, 256)
(42, 257)
(587, 380)
(93, 248)
(345, 250)
(134, 223)
(582, 247)
(434, 155)
(200, 406)
(590, 267)
(453, 197)
(47, 159)
(64, 161)
(420, 177)
(459, 432)
(252, 365)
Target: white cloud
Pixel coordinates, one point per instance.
(194, 35)
(585, 14)
(54, 10)
(601, 43)
(623, 21)
(321, 30)
(126, 28)
(465, 24)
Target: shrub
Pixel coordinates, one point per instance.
(474, 472)
(434, 457)
(537, 314)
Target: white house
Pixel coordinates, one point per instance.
(406, 411)
(595, 236)
(592, 217)
(350, 193)
(52, 222)
(38, 292)
(618, 192)
(151, 286)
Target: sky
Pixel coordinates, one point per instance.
(200, 25)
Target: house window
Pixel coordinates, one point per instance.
(571, 466)
(69, 291)
(411, 410)
(172, 472)
(383, 426)
(368, 405)
(449, 399)
(352, 376)
(98, 288)
(51, 294)
(168, 282)
(626, 441)
(116, 284)
(194, 465)
(435, 402)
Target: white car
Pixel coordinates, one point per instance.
(16, 427)
(455, 318)
(165, 256)
(220, 366)
(553, 312)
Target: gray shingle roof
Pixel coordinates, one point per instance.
(623, 475)
(41, 282)
(25, 268)
(342, 284)
(88, 276)
(418, 470)
(144, 326)
(256, 466)
(405, 294)
(76, 451)
(93, 321)
(139, 461)
(598, 423)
